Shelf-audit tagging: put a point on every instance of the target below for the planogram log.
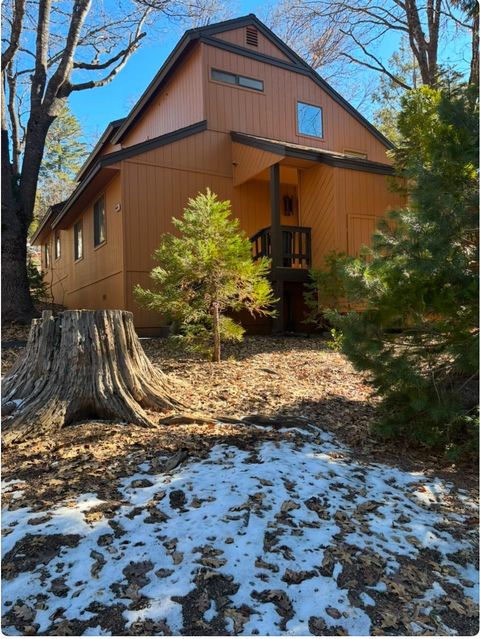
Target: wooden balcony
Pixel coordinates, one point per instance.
(296, 246)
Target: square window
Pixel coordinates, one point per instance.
(78, 241)
(309, 120)
(99, 235)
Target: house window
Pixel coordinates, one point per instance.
(309, 120)
(78, 241)
(99, 235)
(57, 245)
(355, 154)
(47, 256)
(238, 80)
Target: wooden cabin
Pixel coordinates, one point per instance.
(233, 108)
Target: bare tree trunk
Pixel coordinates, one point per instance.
(18, 201)
(82, 365)
(216, 333)
(16, 301)
(474, 66)
(17, 304)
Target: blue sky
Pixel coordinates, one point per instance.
(97, 107)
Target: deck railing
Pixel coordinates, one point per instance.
(296, 245)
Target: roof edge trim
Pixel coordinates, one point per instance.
(283, 148)
(111, 127)
(117, 156)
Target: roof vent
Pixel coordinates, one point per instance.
(251, 36)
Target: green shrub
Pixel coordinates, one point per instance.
(417, 333)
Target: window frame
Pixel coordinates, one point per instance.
(76, 256)
(297, 122)
(358, 155)
(95, 243)
(56, 238)
(236, 77)
(46, 255)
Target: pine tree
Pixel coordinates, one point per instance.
(65, 152)
(388, 94)
(205, 272)
(417, 335)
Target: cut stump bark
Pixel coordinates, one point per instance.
(82, 365)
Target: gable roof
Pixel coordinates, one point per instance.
(51, 213)
(106, 136)
(206, 35)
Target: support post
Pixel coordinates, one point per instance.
(276, 250)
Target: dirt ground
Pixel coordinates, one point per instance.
(270, 376)
(273, 377)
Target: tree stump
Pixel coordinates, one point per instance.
(82, 365)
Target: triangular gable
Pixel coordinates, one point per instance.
(263, 44)
(225, 34)
(212, 34)
(237, 32)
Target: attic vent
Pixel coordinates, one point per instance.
(251, 36)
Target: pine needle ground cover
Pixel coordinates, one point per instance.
(252, 529)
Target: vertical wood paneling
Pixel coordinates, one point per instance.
(360, 230)
(237, 36)
(178, 104)
(342, 207)
(318, 209)
(272, 113)
(91, 282)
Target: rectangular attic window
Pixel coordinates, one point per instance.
(238, 80)
(251, 36)
(355, 154)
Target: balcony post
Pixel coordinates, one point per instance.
(276, 248)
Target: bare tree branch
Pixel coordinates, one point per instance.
(65, 66)
(15, 33)
(92, 66)
(39, 77)
(109, 77)
(380, 66)
(13, 115)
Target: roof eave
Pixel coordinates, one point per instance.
(108, 161)
(104, 138)
(321, 156)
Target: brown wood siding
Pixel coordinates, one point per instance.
(265, 46)
(179, 103)
(272, 113)
(359, 231)
(342, 207)
(248, 162)
(317, 209)
(157, 186)
(109, 148)
(251, 205)
(95, 281)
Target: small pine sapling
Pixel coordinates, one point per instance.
(205, 272)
